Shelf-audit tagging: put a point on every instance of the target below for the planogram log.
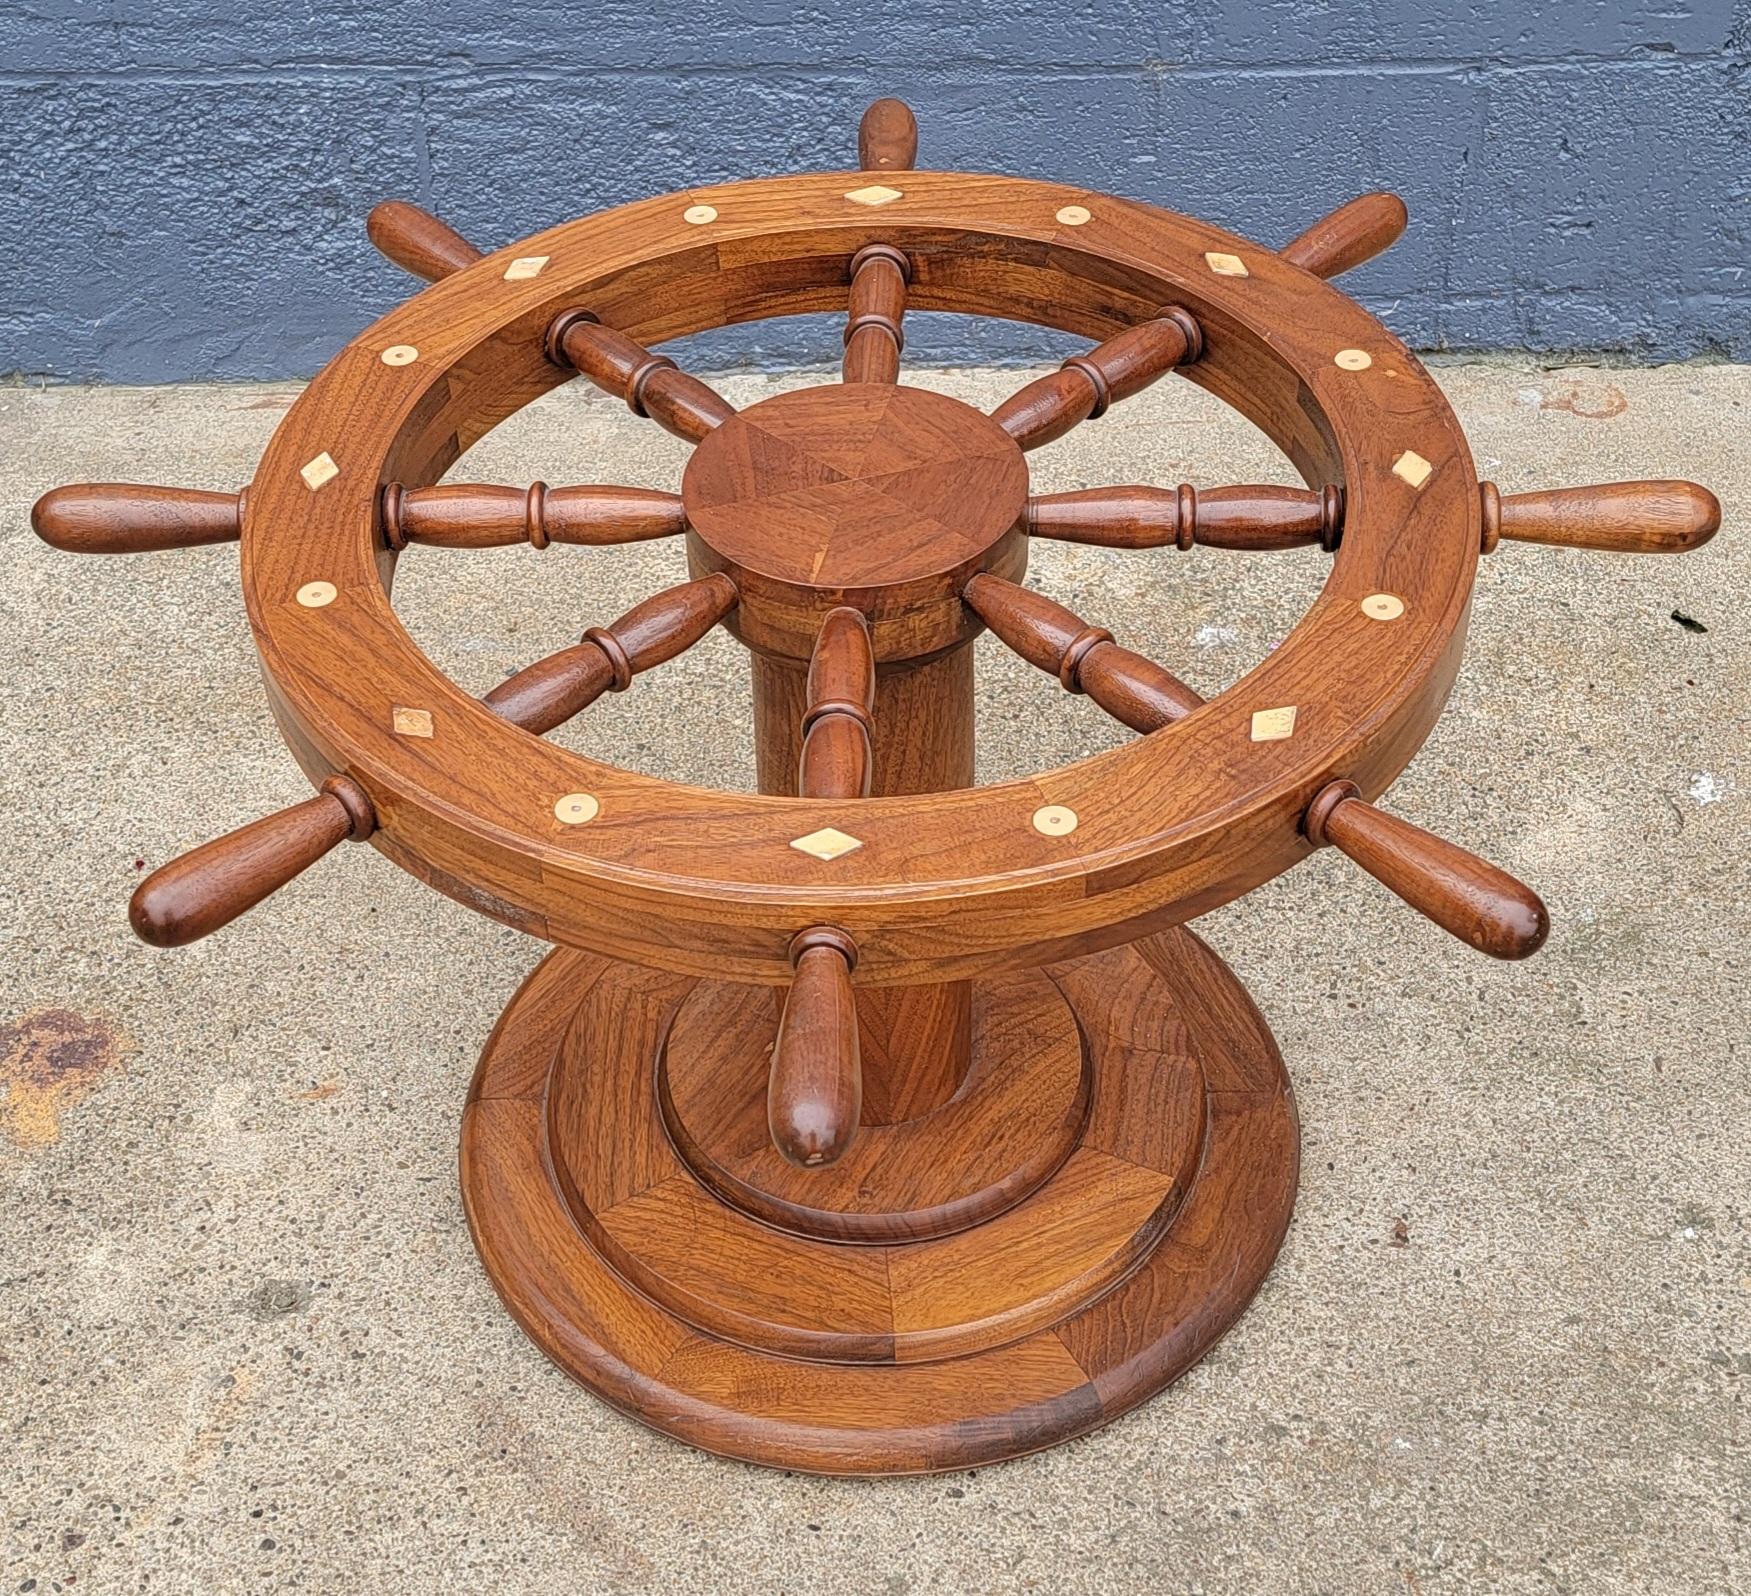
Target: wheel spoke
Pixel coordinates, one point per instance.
(1085, 385)
(129, 518)
(1255, 517)
(1084, 658)
(551, 691)
(836, 757)
(873, 336)
(887, 138)
(1622, 517)
(1653, 517)
(480, 516)
(1463, 894)
(417, 242)
(1355, 232)
(211, 885)
(652, 385)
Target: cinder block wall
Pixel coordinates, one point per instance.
(183, 184)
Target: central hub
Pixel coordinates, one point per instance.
(880, 496)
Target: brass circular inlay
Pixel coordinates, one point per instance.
(1054, 821)
(399, 355)
(1074, 215)
(1383, 606)
(699, 215)
(1353, 359)
(313, 595)
(577, 808)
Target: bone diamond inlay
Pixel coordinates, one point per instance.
(828, 843)
(1273, 725)
(875, 194)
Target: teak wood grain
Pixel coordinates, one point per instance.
(870, 1122)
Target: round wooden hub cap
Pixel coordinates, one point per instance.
(882, 494)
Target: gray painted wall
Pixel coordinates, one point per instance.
(183, 183)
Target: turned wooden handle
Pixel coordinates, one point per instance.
(465, 515)
(1254, 518)
(887, 138)
(1353, 233)
(1625, 517)
(1460, 892)
(651, 384)
(814, 1093)
(552, 690)
(417, 241)
(193, 896)
(838, 715)
(128, 518)
(1084, 658)
(1085, 385)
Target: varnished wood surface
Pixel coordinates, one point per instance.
(208, 887)
(1659, 517)
(874, 337)
(887, 137)
(130, 518)
(417, 241)
(1460, 892)
(936, 889)
(471, 515)
(551, 691)
(814, 1095)
(652, 385)
(838, 721)
(1122, 365)
(1253, 518)
(1083, 1297)
(917, 1169)
(876, 496)
(1084, 658)
(1355, 232)
(1654, 517)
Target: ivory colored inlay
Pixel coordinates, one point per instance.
(827, 843)
(1383, 606)
(399, 355)
(411, 722)
(1353, 359)
(1054, 821)
(313, 595)
(577, 808)
(318, 471)
(1225, 265)
(1074, 215)
(699, 215)
(1273, 725)
(875, 194)
(525, 266)
(1412, 467)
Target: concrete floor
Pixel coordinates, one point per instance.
(245, 1341)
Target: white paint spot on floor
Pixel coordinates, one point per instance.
(1216, 636)
(1707, 788)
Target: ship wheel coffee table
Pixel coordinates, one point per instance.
(875, 1122)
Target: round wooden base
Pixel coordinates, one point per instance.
(1057, 1242)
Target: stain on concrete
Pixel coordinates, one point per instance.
(272, 1299)
(1589, 401)
(320, 1092)
(51, 1060)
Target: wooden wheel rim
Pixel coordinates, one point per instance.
(707, 882)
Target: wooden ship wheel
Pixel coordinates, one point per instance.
(875, 1122)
